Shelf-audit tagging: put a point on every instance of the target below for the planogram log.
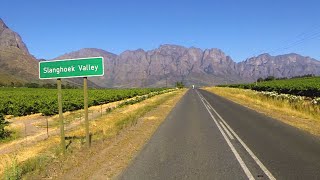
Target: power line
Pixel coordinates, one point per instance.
(298, 42)
(300, 38)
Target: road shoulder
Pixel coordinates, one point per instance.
(109, 157)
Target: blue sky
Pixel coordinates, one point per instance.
(241, 28)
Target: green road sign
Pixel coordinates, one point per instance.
(69, 68)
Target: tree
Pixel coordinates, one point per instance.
(260, 79)
(270, 78)
(179, 85)
(32, 85)
(18, 84)
(49, 86)
(3, 123)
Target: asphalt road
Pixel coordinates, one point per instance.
(208, 137)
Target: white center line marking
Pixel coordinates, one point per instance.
(241, 162)
(256, 159)
(226, 130)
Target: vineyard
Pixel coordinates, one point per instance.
(25, 101)
(309, 87)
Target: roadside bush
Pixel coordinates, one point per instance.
(316, 101)
(3, 124)
(179, 85)
(13, 171)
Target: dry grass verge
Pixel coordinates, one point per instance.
(303, 116)
(28, 130)
(111, 140)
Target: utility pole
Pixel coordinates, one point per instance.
(166, 75)
(255, 74)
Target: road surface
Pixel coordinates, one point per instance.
(209, 137)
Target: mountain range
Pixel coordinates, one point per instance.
(163, 66)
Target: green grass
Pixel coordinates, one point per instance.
(15, 171)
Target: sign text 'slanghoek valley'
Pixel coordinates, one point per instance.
(87, 67)
(84, 67)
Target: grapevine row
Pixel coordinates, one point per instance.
(309, 87)
(25, 101)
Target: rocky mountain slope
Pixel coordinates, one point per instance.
(16, 64)
(171, 63)
(162, 66)
(279, 66)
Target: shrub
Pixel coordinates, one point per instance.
(13, 171)
(3, 123)
(179, 85)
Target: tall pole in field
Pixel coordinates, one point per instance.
(86, 119)
(63, 143)
(255, 74)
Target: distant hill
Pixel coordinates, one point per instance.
(163, 66)
(288, 65)
(16, 64)
(171, 63)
